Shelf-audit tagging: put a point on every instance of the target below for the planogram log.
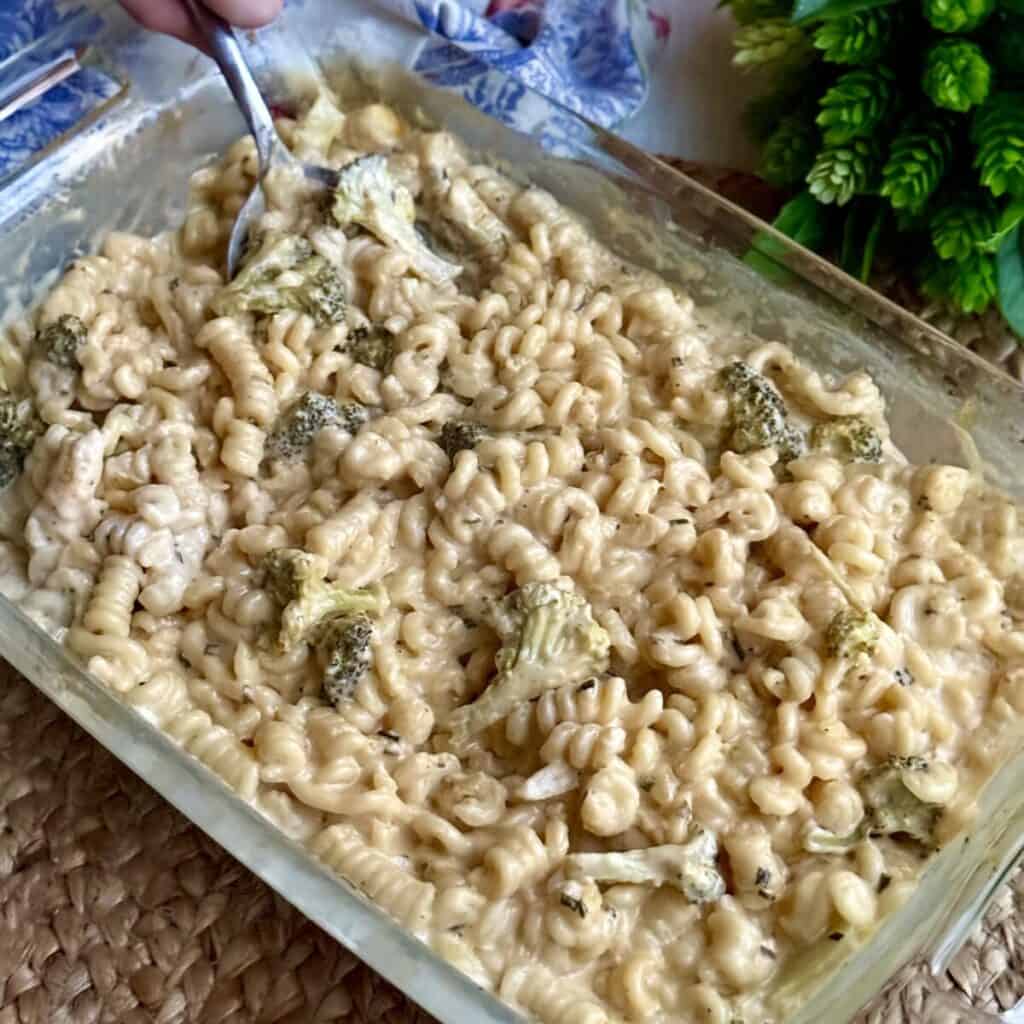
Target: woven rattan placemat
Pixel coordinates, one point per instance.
(114, 909)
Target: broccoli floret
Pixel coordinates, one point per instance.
(849, 438)
(852, 632)
(757, 414)
(689, 867)
(432, 239)
(460, 436)
(371, 346)
(344, 649)
(285, 273)
(60, 341)
(822, 840)
(444, 239)
(904, 797)
(367, 195)
(549, 639)
(296, 580)
(294, 431)
(289, 570)
(542, 624)
(20, 426)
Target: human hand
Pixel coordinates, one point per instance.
(172, 18)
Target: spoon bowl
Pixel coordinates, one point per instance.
(271, 152)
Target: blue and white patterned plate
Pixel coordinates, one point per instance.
(25, 21)
(29, 130)
(592, 56)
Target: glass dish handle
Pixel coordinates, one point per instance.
(51, 91)
(34, 83)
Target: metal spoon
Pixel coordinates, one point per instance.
(271, 152)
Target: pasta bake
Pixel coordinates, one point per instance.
(619, 655)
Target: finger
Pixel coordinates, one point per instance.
(172, 19)
(158, 16)
(247, 13)
(169, 18)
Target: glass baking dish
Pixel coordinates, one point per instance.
(161, 111)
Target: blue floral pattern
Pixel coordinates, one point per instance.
(590, 56)
(25, 21)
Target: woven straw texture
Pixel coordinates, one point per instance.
(115, 910)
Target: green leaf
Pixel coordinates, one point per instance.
(1010, 278)
(746, 11)
(819, 10)
(957, 225)
(862, 229)
(848, 249)
(772, 42)
(1004, 43)
(867, 260)
(997, 131)
(919, 156)
(857, 104)
(841, 172)
(969, 286)
(804, 220)
(1016, 6)
(789, 152)
(855, 38)
(764, 113)
(1008, 221)
(957, 16)
(956, 74)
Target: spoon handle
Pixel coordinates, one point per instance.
(224, 48)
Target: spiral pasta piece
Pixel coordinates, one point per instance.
(342, 849)
(237, 356)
